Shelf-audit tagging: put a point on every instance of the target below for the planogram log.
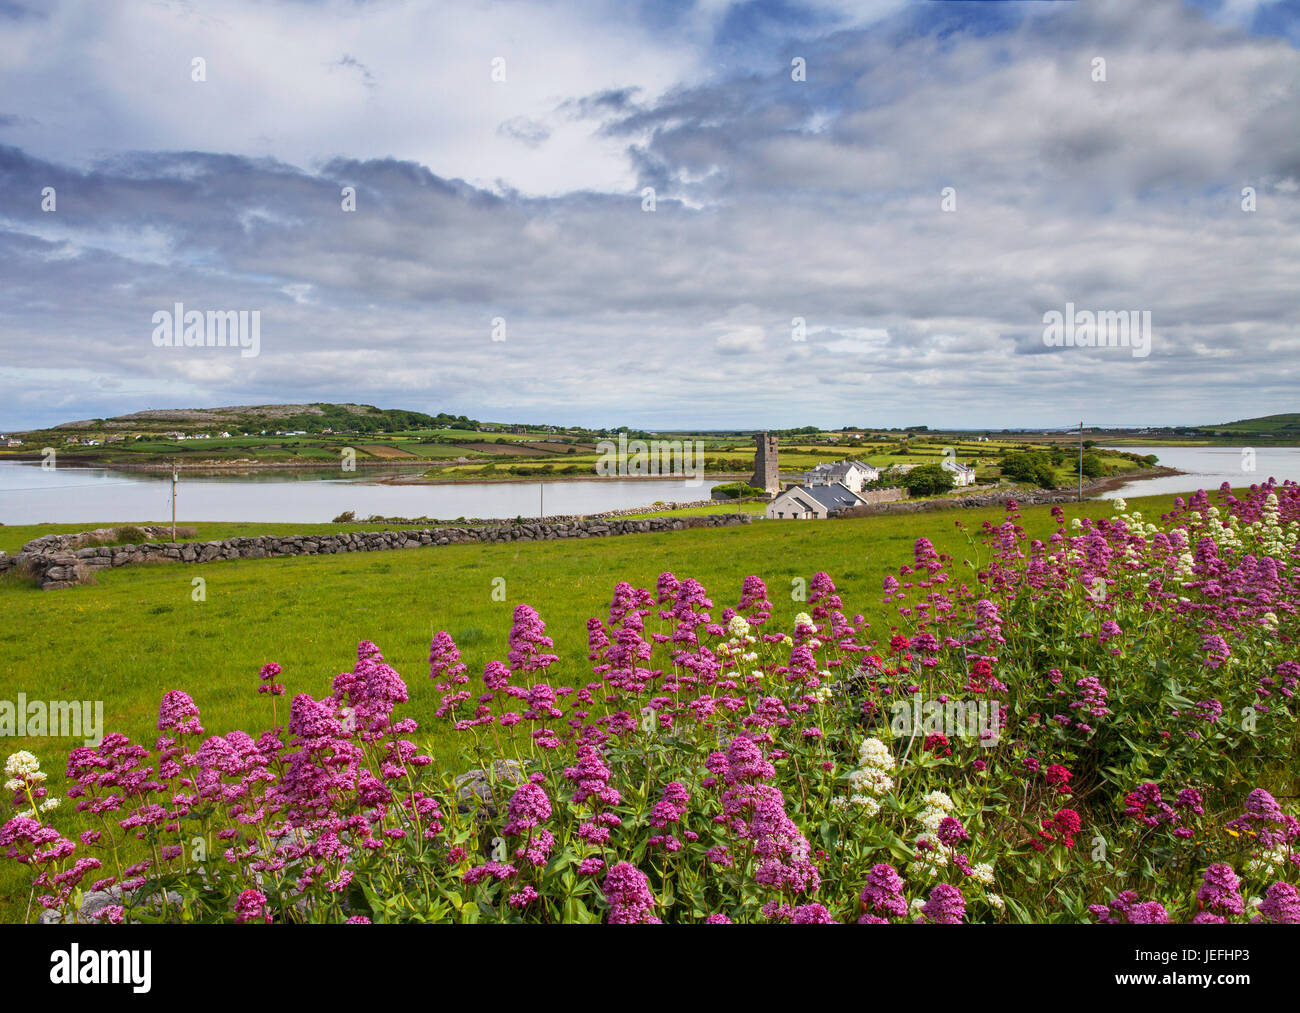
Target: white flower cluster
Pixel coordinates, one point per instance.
(24, 765)
(741, 635)
(738, 627)
(872, 778)
(932, 858)
(982, 873)
(23, 772)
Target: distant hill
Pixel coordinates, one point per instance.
(310, 418)
(1267, 425)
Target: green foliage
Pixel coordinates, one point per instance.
(738, 490)
(1033, 466)
(928, 480)
(1094, 466)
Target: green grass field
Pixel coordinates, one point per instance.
(136, 632)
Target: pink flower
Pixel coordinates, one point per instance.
(946, 906)
(251, 907)
(628, 893)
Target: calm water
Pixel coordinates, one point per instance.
(1209, 467)
(31, 495)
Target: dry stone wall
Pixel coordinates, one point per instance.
(55, 566)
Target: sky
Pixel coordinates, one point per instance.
(667, 214)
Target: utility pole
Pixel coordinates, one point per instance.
(1080, 460)
(175, 477)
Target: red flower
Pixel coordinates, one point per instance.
(1066, 822)
(1060, 777)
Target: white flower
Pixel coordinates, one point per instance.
(1120, 505)
(870, 780)
(738, 626)
(996, 901)
(937, 800)
(931, 818)
(803, 619)
(982, 873)
(22, 764)
(49, 804)
(867, 803)
(874, 753)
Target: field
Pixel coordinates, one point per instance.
(137, 633)
(476, 455)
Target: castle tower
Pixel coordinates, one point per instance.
(765, 464)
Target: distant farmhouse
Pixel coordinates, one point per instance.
(963, 475)
(813, 502)
(853, 475)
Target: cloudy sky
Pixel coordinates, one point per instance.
(501, 153)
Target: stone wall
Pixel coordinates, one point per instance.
(890, 495)
(55, 566)
(561, 518)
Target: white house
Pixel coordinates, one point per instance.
(853, 475)
(812, 502)
(962, 474)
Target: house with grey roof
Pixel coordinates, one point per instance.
(853, 475)
(812, 502)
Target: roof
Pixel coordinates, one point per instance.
(798, 494)
(832, 497)
(839, 468)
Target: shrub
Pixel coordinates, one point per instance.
(928, 480)
(737, 490)
(1029, 466)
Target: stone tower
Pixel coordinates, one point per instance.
(765, 464)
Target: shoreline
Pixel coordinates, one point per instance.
(1113, 482)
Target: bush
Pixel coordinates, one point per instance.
(1094, 467)
(1031, 466)
(737, 490)
(928, 480)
